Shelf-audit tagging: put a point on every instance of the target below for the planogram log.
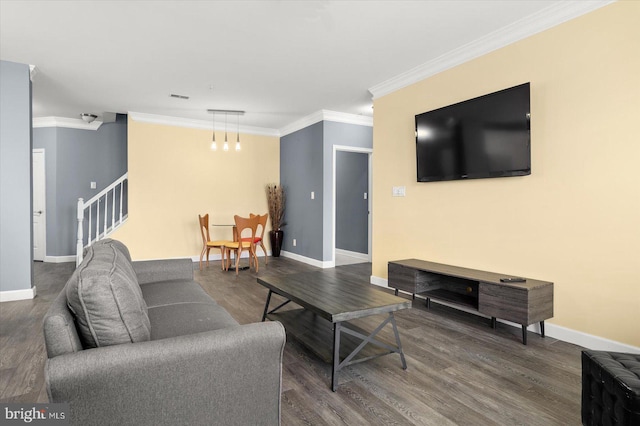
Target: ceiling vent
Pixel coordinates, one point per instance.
(173, 95)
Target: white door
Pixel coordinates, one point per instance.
(39, 212)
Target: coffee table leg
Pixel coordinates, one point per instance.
(395, 331)
(266, 306)
(336, 356)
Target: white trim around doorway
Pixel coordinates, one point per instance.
(347, 148)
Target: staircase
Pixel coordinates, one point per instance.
(101, 215)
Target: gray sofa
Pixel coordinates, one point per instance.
(142, 343)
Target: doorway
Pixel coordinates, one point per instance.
(351, 205)
(39, 206)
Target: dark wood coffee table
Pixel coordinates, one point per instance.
(328, 300)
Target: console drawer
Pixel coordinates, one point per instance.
(503, 302)
(521, 305)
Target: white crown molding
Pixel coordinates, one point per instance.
(326, 115)
(342, 117)
(302, 123)
(546, 18)
(191, 123)
(69, 123)
(322, 115)
(33, 70)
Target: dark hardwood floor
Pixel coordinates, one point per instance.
(460, 371)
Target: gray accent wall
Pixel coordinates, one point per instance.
(306, 165)
(352, 182)
(73, 159)
(343, 134)
(16, 252)
(300, 174)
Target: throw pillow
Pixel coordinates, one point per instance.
(106, 300)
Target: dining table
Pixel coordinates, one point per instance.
(235, 237)
(232, 225)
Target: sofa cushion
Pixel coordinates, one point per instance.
(106, 300)
(187, 318)
(174, 291)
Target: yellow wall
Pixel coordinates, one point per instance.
(174, 176)
(576, 219)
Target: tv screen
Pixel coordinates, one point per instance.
(484, 137)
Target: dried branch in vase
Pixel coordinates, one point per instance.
(275, 203)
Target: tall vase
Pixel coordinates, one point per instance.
(276, 238)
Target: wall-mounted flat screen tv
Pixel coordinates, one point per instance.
(484, 137)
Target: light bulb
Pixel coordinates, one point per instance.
(237, 146)
(214, 146)
(225, 147)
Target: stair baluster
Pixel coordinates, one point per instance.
(111, 222)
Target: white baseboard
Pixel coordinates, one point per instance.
(568, 335)
(587, 340)
(355, 254)
(308, 260)
(381, 282)
(13, 295)
(59, 259)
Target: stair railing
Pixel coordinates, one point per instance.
(104, 202)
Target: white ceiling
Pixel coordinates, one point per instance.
(277, 60)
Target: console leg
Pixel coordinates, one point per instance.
(524, 334)
(542, 328)
(413, 296)
(396, 292)
(427, 303)
(493, 322)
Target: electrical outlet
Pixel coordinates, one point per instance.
(294, 242)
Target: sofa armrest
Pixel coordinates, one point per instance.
(149, 271)
(227, 376)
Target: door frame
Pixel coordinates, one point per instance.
(43, 222)
(369, 152)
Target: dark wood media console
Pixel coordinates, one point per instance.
(525, 303)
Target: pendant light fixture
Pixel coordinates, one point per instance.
(225, 147)
(226, 112)
(214, 146)
(238, 132)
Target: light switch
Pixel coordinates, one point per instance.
(93, 185)
(313, 195)
(365, 195)
(398, 191)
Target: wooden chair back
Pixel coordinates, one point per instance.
(204, 228)
(262, 225)
(207, 244)
(244, 223)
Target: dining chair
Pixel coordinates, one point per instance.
(259, 239)
(207, 244)
(242, 224)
